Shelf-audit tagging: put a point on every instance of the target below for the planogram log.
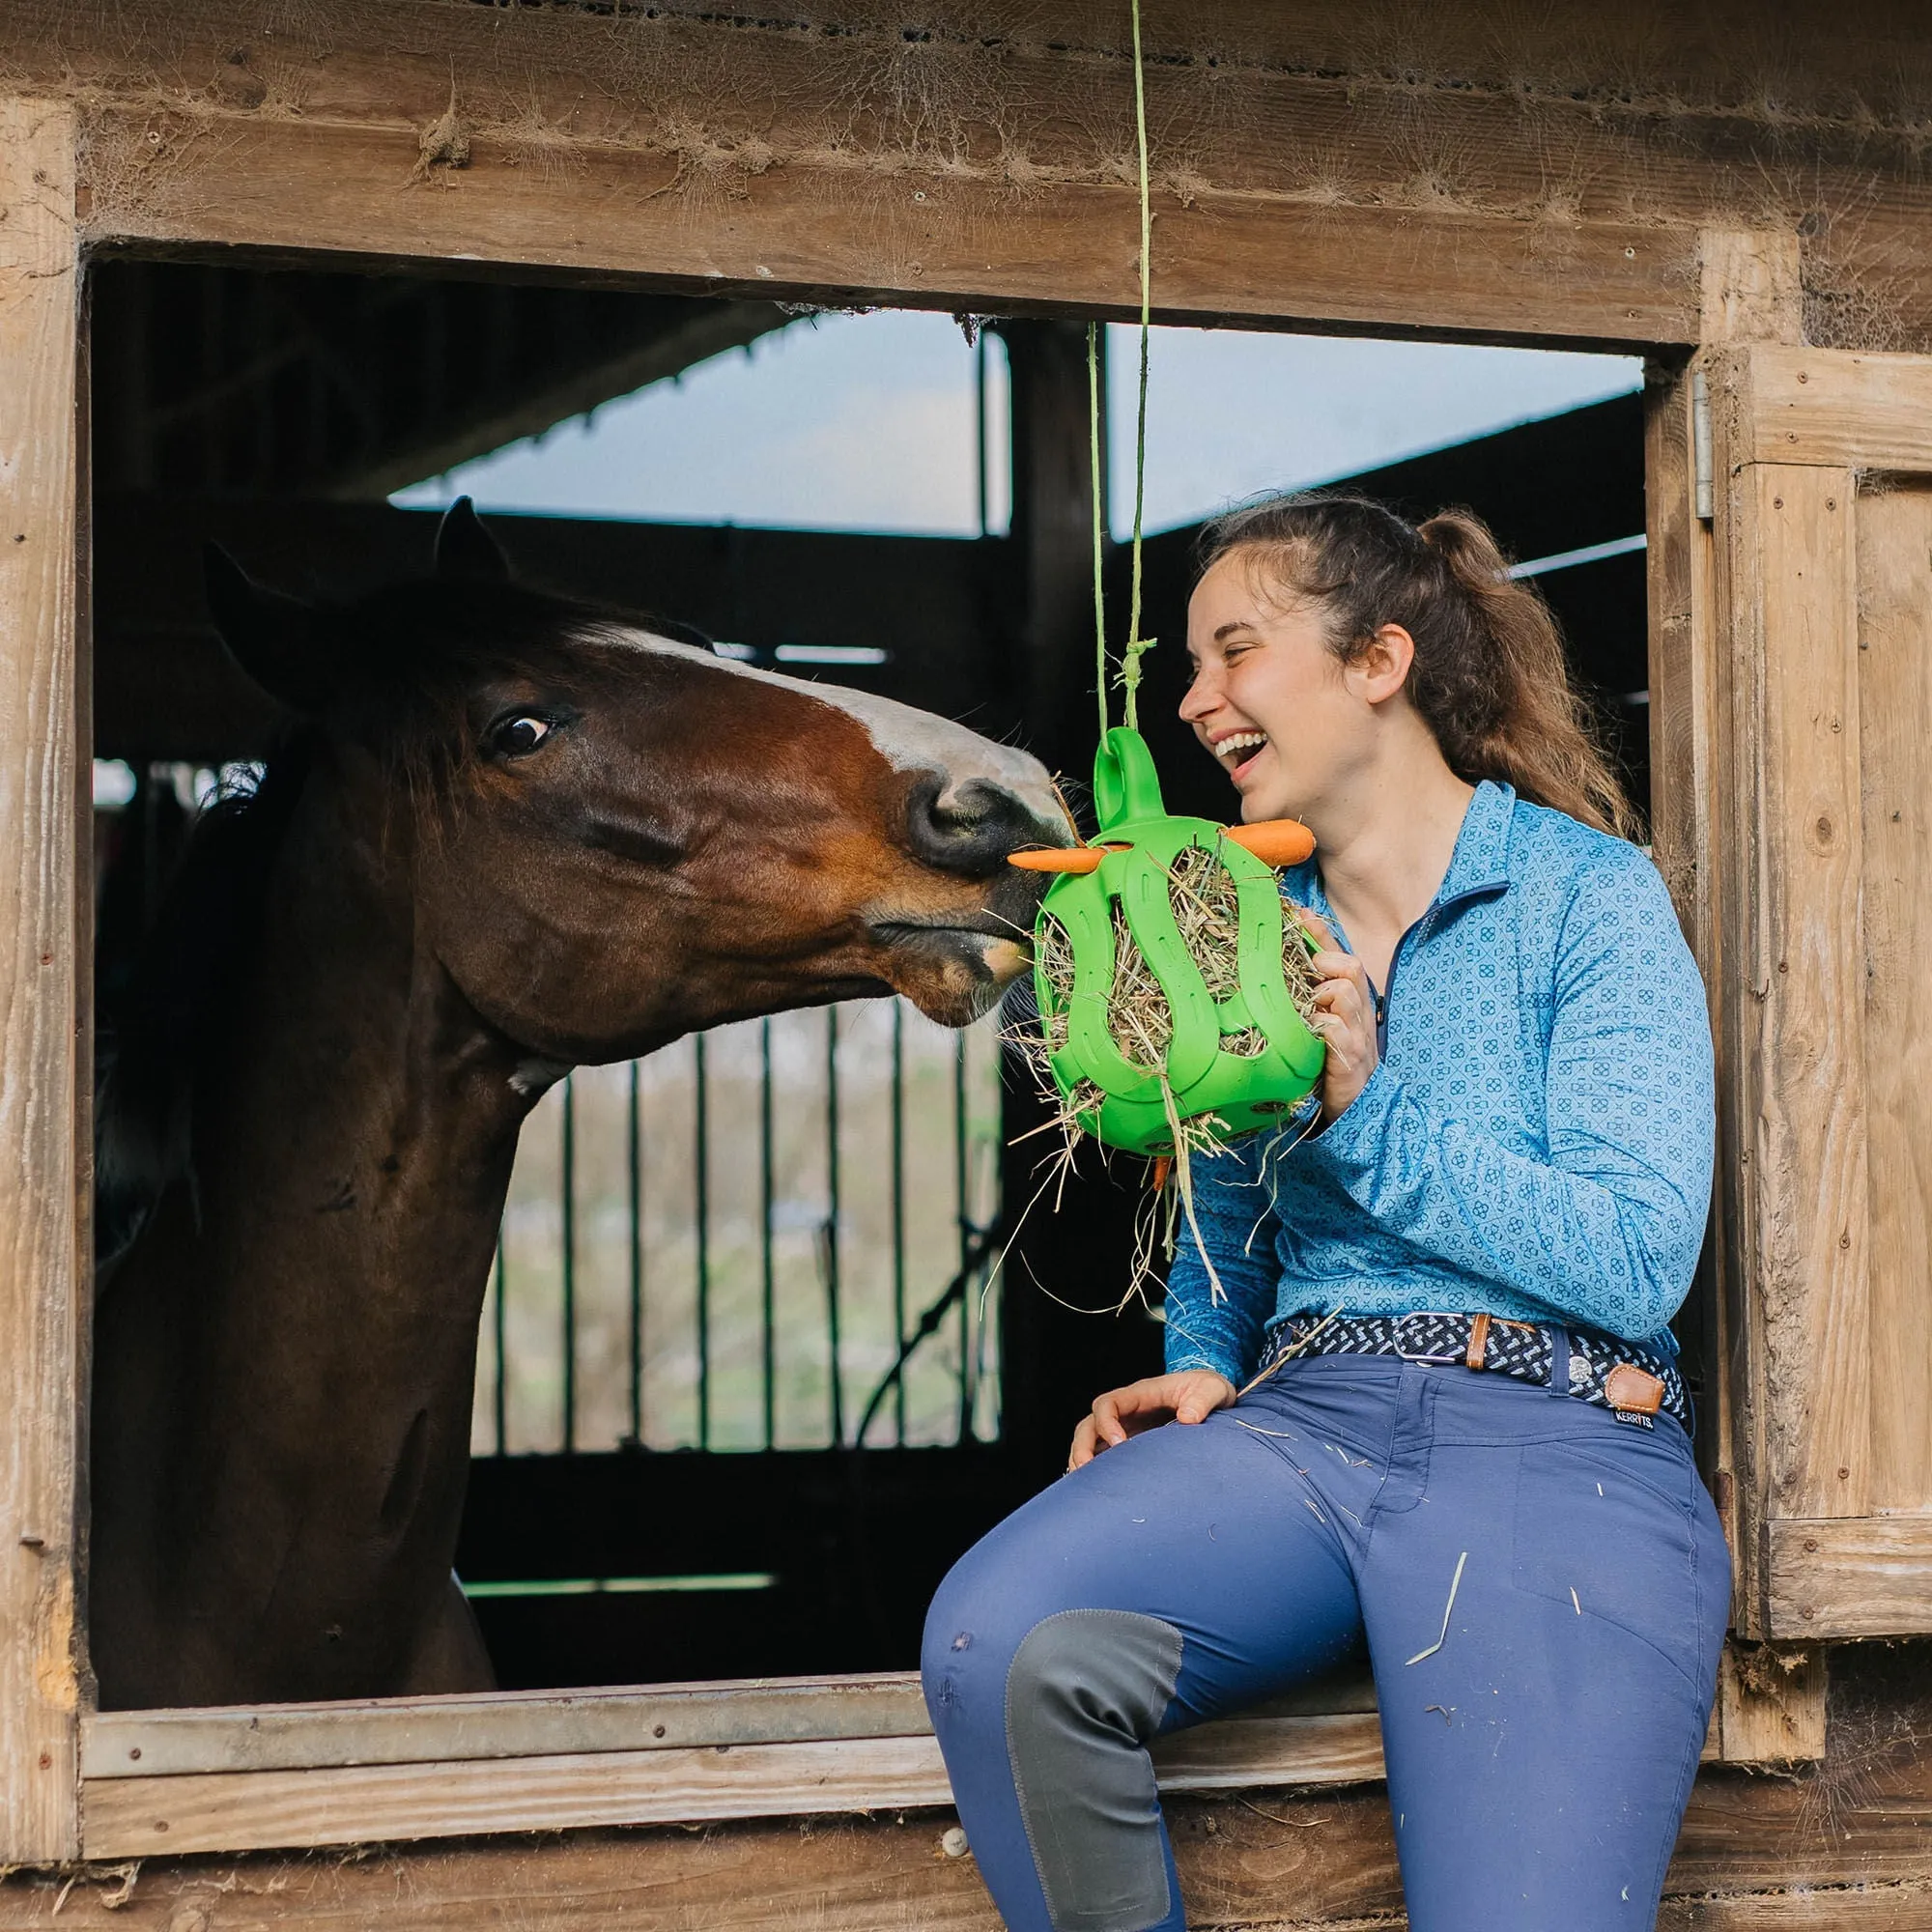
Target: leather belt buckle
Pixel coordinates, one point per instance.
(1407, 1354)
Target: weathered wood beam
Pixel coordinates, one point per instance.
(44, 955)
(345, 1805)
(843, 232)
(550, 1723)
(1851, 1577)
(974, 166)
(1458, 170)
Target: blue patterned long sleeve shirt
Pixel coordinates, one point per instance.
(1536, 1142)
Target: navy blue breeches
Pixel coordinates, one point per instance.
(1541, 1590)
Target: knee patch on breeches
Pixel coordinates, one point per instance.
(1085, 1693)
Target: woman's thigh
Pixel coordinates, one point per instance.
(1204, 1527)
(1542, 1731)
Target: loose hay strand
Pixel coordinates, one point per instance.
(1183, 1181)
(1448, 1610)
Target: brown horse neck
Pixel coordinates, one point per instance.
(380, 1109)
(286, 1358)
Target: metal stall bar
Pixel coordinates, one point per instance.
(635, 1151)
(830, 1245)
(768, 1306)
(701, 1210)
(963, 1216)
(583, 1236)
(898, 1212)
(569, 1204)
(499, 1395)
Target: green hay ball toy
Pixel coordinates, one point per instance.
(1139, 842)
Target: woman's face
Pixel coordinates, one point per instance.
(1281, 714)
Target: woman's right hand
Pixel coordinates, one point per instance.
(1192, 1394)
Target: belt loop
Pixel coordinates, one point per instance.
(1559, 1360)
(1479, 1340)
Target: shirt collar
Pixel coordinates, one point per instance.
(1480, 862)
(1478, 865)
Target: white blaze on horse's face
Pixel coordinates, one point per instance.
(909, 740)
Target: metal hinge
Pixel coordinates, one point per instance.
(1706, 494)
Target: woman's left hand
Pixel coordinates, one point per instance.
(1344, 1009)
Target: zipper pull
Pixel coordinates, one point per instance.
(1381, 1010)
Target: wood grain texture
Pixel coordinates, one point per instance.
(1733, 647)
(427, 1730)
(1770, 1704)
(39, 974)
(835, 231)
(1648, 113)
(140, 1817)
(1797, 1040)
(1470, 168)
(1840, 409)
(1683, 802)
(1751, 286)
(1894, 566)
(540, 1724)
(1866, 1577)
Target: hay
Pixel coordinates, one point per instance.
(1208, 911)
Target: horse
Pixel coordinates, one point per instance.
(507, 834)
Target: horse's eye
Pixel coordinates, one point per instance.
(517, 737)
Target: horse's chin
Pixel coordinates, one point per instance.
(955, 977)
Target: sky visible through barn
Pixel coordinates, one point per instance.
(866, 422)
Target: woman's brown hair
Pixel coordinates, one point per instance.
(1490, 677)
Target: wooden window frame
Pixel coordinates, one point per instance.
(1758, 701)
(76, 1782)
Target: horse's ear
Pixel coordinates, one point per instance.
(277, 641)
(465, 551)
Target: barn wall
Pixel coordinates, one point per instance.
(1485, 169)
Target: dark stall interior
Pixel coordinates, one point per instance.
(274, 410)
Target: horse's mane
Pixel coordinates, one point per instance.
(151, 1032)
(419, 646)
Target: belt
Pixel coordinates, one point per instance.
(1632, 1382)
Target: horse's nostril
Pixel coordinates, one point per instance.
(970, 827)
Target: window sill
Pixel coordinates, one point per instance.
(170, 1782)
(157, 1784)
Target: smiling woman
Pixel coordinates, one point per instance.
(512, 836)
(1484, 667)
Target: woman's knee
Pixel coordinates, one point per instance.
(1092, 1675)
(962, 1647)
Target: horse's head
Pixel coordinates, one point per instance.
(620, 836)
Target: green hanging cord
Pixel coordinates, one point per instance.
(1137, 646)
(1093, 457)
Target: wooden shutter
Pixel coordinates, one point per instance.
(1792, 676)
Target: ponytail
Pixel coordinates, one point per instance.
(1490, 677)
